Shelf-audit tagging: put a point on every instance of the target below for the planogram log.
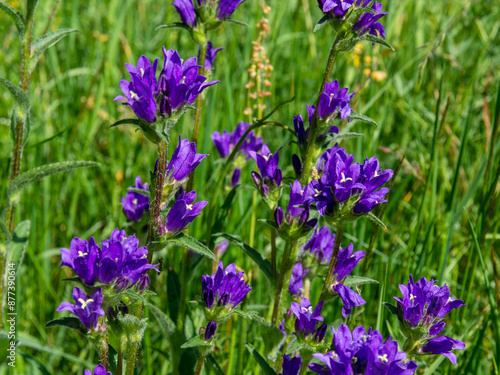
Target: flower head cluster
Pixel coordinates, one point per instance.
(182, 213)
(269, 180)
(118, 259)
(335, 100)
(226, 142)
(291, 366)
(347, 188)
(307, 319)
(421, 312)
(134, 203)
(362, 352)
(219, 10)
(87, 309)
(225, 288)
(296, 222)
(99, 370)
(366, 22)
(179, 84)
(184, 160)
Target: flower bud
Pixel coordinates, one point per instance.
(143, 283)
(235, 177)
(256, 178)
(279, 216)
(210, 330)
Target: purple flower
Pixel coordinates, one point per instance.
(291, 366)
(297, 280)
(210, 55)
(302, 134)
(134, 204)
(227, 7)
(362, 352)
(210, 330)
(307, 319)
(184, 160)
(271, 176)
(139, 93)
(226, 287)
(183, 212)
(83, 257)
(122, 259)
(332, 100)
(179, 83)
(99, 370)
(186, 11)
(339, 8)
(221, 248)
(320, 245)
(443, 345)
(86, 308)
(368, 21)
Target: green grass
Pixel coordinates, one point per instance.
(437, 106)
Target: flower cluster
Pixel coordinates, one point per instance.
(306, 322)
(367, 22)
(207, 10)
(334, 100)
(135, 203)
(295, 223)
(347, 189)
(421, 312)
(178, 85)
(99, 370)
(269, 180)
(225, 143)
(118, 259)
(362, 352)
(182, 212)
(87, 309)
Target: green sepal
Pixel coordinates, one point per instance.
(197, 342)
(39, 46)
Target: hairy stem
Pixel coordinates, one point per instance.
(273, 253)
(199, 365)
(119, 364)
(291, 252)
(333, 262)
(103, 351)
(309, 159)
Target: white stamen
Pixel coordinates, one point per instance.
(80, 254)
(189, 206)
(133, 95)
(144, 256)
(142, 72)
(85, 303)
(344, 179)
(383, 358)
(134, 202)
(412, 297)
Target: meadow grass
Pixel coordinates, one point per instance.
(437, 102)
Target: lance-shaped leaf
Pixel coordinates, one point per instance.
(36, 174)
(236, 22)
(363, 118)
(39, 46)
(377, 40)
(17, 247)
(197, 341)
(323, 22)
(354, 281)
(272, 336)
(166, 325)
(173, 25)
(246, 314)
(376, 220)
(31, 7)
(68, 321)
(266, 368)
(149, 131)
(17, 93)
(262, 262)
(193, 244)
(15, 16)
(270, 223)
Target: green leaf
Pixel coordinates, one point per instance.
(262, 262)
(140, 191)
(27, 129)
(17, 93)
(173, 25)
(17, 247)
(31, 10)
(236, 22)
(376, 220)
(377, 40)
(246, 314)
(39, 46)
(363, 118)
(36, 174)
(165, 324)
(271, 335)
(193, 244)
(223, 212)
(131, 121)
(270, 223)
(323, 22)
(353, 281)
(266, 368)
(392, 309)
(4, 346)
(196, 342)
(15, 16)
(294, 346)
(68, 321)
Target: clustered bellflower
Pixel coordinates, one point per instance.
(307, 320)
(87, 309)
(296, 222)
(421, 312)
(362, 352)
(99, 370)
(210, 56)
(291, 366)
(182, 213)
(225, 143)
(134, 203)
(220, 10)
(184, 160)
(269, 180)
(118, 259)
(347, 189)
(297, 279)
(179, 84)
(334, 100)
(320, 245)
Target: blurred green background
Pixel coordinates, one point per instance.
(447, 53)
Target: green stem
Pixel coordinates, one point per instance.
(306, 356)
(119, 364)
(199, 365)
(291, 252)
(333, 262)
(103, 351)
(273, 253)
(309, 158)
(183, 295)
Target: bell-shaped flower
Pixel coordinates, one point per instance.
(87, 309)
(135, 203)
